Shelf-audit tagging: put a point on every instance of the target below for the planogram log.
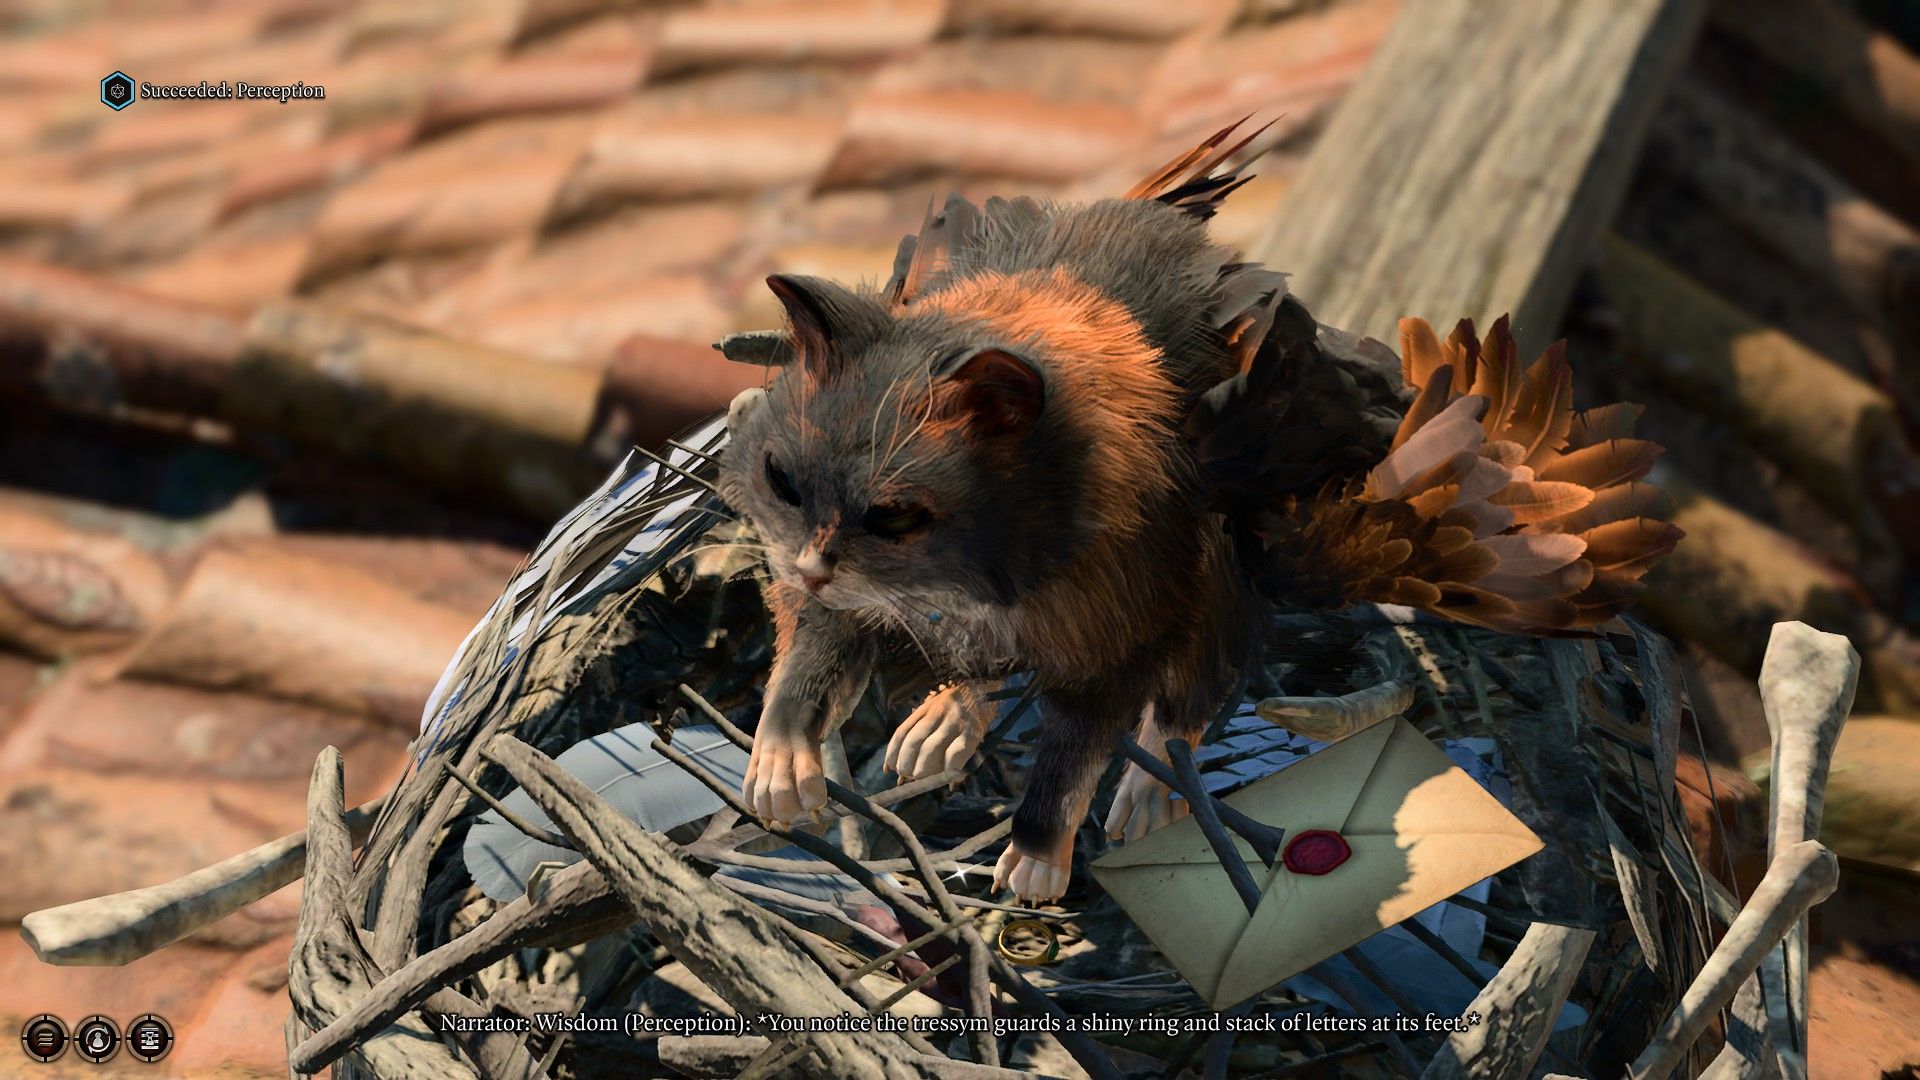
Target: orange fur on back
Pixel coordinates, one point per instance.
(1103, 376)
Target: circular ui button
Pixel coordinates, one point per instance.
(96, 1038)
(44, 1037)
(149, 1037)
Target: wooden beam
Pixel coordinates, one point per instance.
(1471, 169)
(1833, 432)
(1793, 203)
(1866, 74)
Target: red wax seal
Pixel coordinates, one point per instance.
(1316, 852)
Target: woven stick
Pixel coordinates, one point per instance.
(123, 927)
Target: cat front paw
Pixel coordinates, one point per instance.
(785, 777)
(1035, 880)
(1142, 804)
(941, 734)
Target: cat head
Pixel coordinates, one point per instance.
(902, 459)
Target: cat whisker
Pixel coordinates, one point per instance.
(873, 429)
(887, 610)
(899, 444)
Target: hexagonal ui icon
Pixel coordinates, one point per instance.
(116, 91)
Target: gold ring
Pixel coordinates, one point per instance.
(1029, 957)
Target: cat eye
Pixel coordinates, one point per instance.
(781, 483)
(894, 522)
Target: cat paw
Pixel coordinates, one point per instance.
(1032, 879)
(784, 778)
(1142, 804)
(941, 734)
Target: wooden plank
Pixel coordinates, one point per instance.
(1475, 163)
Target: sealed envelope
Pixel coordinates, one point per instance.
(1379, 827)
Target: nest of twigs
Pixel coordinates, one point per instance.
(633, 613)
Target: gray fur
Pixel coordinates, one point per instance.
(1005, 523)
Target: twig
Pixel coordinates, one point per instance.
(547, 1059)
(945, 859)
(1207, 816)
(1330, 977)
(979, 989)
(919, 981)
(329, 967)
(1517, 1010)
(1372, 973)
(1084, 1050)
(671, 467)
(855, 988)
(1023, 701)
(897, 952)
(739, 950)
(787, 904)
(1800, 877)
(979, 992)
(575, 897)
(741, 834)
(792, 1053)
(531, 830)
(123, 927)
(701, 454)
(1439, 945)
(777, 1055)
(1807, 683)
(1263, 838)
(1331, 718)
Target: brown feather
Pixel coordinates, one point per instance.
(1434, 501)
(1462, 350)
(1455, 430)
(1615, 461)
(1630, 547)
(1507, 452)
(1548, 406)
(1419, 353)
(1618, 503)
(1615, 421)
(1432, 398)
(1482, 509)
(1448, 537)
(1551, 585)
(1413, 592)
(1608, 596)
(1542, 500)
(1488, 519)
(1498, 378)
(1531, 554)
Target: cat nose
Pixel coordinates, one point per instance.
(815, 569)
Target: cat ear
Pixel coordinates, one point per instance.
(998, 392)
(825, 317)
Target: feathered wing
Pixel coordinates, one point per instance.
(1495, 504)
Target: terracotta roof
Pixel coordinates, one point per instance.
(483, 140)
